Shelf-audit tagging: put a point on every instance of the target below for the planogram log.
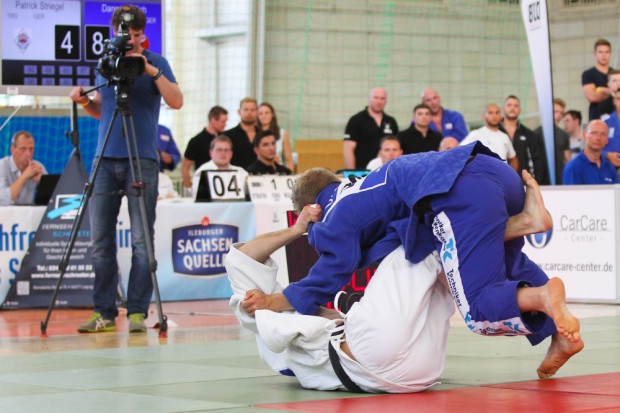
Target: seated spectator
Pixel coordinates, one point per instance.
(165, 188)
(267, 119)
(589, 167)
(199, 147)
(265, 150)
(390, 149)
(19, 173)
(572, 126)
(169, 155)
(448, 143)
(492, 137)
(449, 123)
(419, 137)
(221, 153)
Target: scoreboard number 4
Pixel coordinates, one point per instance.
(67, 42)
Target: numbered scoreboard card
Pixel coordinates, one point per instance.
(221, 185)
(271, 188)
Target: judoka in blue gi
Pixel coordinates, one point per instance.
(461, 203)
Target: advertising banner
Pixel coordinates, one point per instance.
(581, 248)
(39, 272)
(191, 242)
(534, 14)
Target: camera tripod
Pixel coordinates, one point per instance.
(122, 91)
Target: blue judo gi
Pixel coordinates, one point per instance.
(472, 193)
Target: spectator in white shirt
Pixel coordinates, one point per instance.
(492, 137)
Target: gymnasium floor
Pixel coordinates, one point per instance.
(208, 364)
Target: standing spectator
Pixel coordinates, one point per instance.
(589, 167)
(611, 152)
(267, 119)
(19, 173)
(594, 80)
(169, 155)
(419, 137)
(449, 123)
(114, 180)
(561, 139)
(221, 154)
(242, 135)
(528, 146)
(572, 126)
(607, 106)
(198, 148)
(265, 163)
(365, 129)
(390, 149)
(494, 139)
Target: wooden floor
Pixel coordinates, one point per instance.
(209, 364)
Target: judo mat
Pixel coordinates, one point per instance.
(210, 364)
(592, 393)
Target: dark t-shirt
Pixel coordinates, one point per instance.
(243, 151)
(259, 168)
(363, 130)
(198, 148)
(531, 153)
(412, 141)
(599, 79)
(607, 106)
(561, 143)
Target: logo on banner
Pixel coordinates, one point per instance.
(200, 250)
(541, 239)
(66, 206)
(534, 15)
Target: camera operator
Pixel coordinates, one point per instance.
(114, 179)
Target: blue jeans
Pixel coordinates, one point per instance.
(114, 181)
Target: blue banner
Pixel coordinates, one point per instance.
(200, 250)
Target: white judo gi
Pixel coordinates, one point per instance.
(397, 331)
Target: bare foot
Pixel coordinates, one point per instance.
(559, 352)
(534, 207)
(554, 303)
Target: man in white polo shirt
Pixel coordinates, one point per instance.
(492, 137)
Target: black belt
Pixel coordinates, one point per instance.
(342, 375)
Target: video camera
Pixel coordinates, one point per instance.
(114, 64)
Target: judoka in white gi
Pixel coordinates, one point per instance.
(398, 330)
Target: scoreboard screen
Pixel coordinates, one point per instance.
(49, 46)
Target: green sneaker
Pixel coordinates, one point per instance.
(136, 323)
(96, 323)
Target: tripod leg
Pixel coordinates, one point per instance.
(139, 188)
(88, 191)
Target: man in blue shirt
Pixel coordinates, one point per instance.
(590, 167)
(449, 123)
(169, 155)
(114, 179)
(611, 152)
